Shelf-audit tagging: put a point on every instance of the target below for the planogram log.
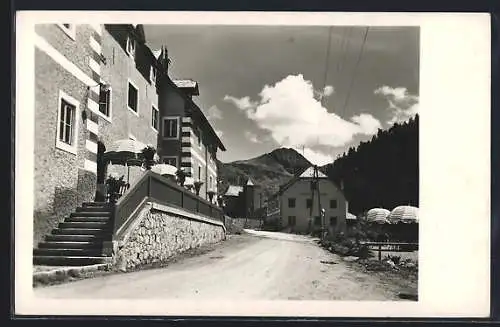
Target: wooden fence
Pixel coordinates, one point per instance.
(390, 247)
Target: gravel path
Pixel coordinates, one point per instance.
(255, 266)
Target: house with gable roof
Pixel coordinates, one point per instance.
(290, 208)
(245, 201)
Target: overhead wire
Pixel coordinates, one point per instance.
(327, 61)
(343, 44)
(355, 70)
(344, 50)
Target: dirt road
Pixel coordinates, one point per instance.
(255, 266)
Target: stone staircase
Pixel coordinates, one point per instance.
(78, 241)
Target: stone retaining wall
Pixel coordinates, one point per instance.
(160, 233)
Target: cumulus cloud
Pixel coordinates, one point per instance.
(252, 137)
(243, 103)
(402, 104)
(328, 90)
(214, 113)
(292, 115)
(369, 123)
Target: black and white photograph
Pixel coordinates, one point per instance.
(226, 162)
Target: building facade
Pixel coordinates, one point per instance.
(234, 201)
(291, 207)
(96, 84)
(246, 201)
(128, 106)
(187, 139)
(67, 70)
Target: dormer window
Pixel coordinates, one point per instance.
(131, 46)
(152, 75)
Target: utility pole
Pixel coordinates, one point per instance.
(320, 209)
(315, 189)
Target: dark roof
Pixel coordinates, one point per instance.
(285, 186)
(144, 56)
(189, 85)
(233, 190)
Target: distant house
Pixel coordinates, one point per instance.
(233, 201)
(351, 219)
(291, 207)
(245, 201)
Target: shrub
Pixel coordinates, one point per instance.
(148, 153)
(394, 258)
(344, 244)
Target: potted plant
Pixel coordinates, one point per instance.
(148, 154)
(114, 185)
(197, 186)
(181, 176)
(211, 194)
(220, 201)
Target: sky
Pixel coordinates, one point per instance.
(317, 89)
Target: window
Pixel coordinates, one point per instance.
(309, 203)
(131, 46)
(152, 75)
(170, 161)
(105, 100)
(291, 203)
(333, 221)
(170, 127)
(69, 29)
(67, 120)
(291, 220)
(133, 98)
(317, 220)
(333, 204)
(154, 118)
(199, 137)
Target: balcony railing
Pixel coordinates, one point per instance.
(156, 188)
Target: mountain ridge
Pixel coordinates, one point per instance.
(269, 170)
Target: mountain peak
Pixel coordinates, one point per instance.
(267, 171)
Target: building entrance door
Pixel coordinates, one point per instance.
(101, 173)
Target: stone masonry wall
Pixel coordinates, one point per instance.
(162, 235)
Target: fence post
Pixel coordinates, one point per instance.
(182, 199)
(149, 185)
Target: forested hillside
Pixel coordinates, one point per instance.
(382, 172)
